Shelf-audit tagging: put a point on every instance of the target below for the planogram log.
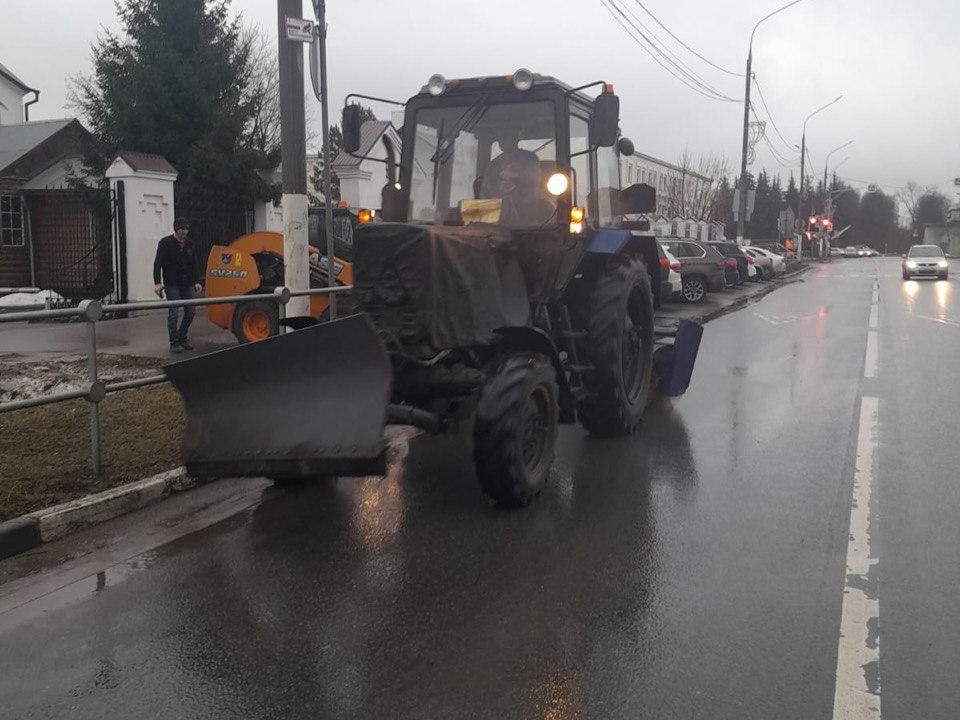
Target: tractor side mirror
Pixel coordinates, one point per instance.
(350, 127)
(391, 208)
(605, 121)
(638, 198)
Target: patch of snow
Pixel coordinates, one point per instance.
(21, 299)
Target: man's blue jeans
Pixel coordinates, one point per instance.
(184, 292)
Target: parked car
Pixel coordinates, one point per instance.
(865, 251)
(762, 262)
(777, 249)
(850, 251)
(925, 261)
(732, 251)
(778, 262)
(701, 268)
(836, 252)
(674, 279)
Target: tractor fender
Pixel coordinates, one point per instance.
(524, 338)
(620, 241)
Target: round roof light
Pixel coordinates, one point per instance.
(436, 84)
(523, 79)
(557, 184)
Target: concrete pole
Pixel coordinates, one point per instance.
(320, 9)
(742, 210)
(293, 152)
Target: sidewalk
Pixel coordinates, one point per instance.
(144, 335)
(718, 303)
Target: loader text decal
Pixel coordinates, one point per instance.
(220, 273)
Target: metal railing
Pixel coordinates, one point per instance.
(93, 311)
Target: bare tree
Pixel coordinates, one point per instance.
(909, 197)
(694, 195)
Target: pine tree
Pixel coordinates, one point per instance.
(179, 81)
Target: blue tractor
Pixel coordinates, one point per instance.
(500, 279)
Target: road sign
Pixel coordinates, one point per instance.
(299, 30)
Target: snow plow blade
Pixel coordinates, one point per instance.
(674, 362)
(306, 403)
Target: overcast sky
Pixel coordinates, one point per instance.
(895, 62)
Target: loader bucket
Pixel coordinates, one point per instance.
(310, 402)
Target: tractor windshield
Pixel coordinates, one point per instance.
(484, 162)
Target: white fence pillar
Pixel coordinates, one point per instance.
(148, 213)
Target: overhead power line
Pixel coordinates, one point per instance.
(667, 30)
(691, 80)
(763, 101)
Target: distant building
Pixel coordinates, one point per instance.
(947, 235)
(679, 190)
(12, 92)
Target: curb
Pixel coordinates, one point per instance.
(762, 291)
(41, 526)
(33, 529)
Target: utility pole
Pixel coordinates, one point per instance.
(293, 152)
(320, 10)
(742, 210)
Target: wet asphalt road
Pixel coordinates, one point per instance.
(695, 570)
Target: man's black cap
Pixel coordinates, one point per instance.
(181, 223)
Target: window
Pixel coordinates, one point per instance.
(581, 163)
(608, 182)
(11, 221)
(693, 250)
(455, 155)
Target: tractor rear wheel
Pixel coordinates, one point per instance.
(619, 346)
(515, 430)
(255, 320)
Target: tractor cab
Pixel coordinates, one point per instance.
(525, 152)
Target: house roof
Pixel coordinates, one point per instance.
(19, 139)
(146, 162)
(5, 72)
(370, 132)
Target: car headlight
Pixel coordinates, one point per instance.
(910, 264)
(942, 263)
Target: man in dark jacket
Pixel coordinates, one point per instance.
(175, 270)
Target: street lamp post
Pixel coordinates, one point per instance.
(742, 210)
(803, 149)
(827, 161)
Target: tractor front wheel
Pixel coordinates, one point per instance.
(515, 429)
(255, 320)
(620, 348)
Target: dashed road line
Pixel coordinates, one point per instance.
(942, 321)
(857, 689)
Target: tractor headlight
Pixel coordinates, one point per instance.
(436, 84)
(557, 184)
(523, 79)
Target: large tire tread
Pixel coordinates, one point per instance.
(497, 446)
(606, 411)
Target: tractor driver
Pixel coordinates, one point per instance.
(514, 177)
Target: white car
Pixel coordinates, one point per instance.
(925, 261)
(676, 282)
(779, 263)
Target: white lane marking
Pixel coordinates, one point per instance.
(871, 360)
(874, 316)
(857, 690)
(942, 321)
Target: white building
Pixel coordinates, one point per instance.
(362, 179)
(679, 190)
(683, 197)
(12, 92)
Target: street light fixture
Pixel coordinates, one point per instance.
(741, 215)
(827, 161)
(803, 145)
